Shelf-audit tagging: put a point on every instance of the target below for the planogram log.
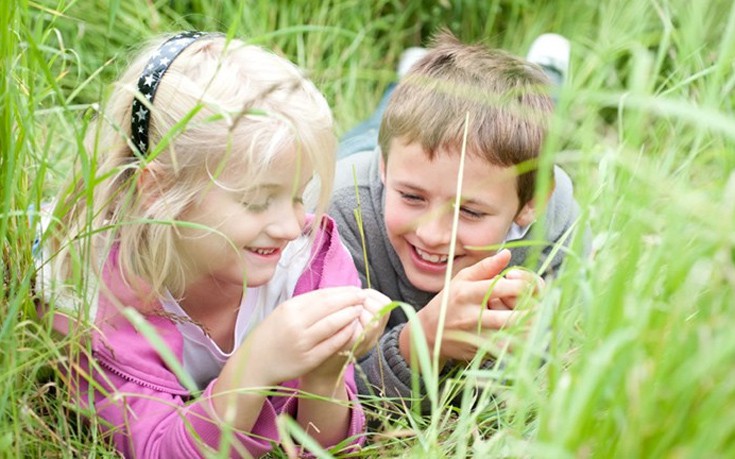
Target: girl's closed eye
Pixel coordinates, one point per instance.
(258, 205)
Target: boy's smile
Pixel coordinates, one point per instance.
(418, 210)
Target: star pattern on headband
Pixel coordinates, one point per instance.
(148, 82)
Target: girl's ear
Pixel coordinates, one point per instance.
(149, 184)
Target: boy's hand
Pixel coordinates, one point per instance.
(518, 282)
(467, 312)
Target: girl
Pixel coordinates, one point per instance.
(195, 221)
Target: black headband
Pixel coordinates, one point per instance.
(148, 82)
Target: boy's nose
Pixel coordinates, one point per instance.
(435, 230)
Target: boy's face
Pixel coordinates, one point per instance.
(418, 210)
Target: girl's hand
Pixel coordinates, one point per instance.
(371, 324)
(367, 329)
(301, 334)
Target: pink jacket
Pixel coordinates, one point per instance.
(148, 411)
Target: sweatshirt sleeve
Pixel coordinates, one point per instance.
(357, 425)
(332, 265)
(147, 422)
(383, 371)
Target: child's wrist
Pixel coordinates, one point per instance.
(321, 383)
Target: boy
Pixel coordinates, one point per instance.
(407, 186)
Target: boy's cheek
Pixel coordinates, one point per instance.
(397, 219)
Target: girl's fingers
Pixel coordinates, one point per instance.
(375, 301)
(330, 325)
(376, 297)
(334, 343)
(314, 306)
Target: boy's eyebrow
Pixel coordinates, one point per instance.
(410, 185)
(475, 202)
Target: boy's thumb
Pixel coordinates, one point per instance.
(487, 268)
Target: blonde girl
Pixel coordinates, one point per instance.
(194, 225)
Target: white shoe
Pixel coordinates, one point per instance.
(409, 57)
(551, 51)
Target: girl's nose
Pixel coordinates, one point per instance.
(287, 222)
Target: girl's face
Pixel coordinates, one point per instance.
(240, 234)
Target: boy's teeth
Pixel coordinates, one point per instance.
(264, 251)
(431, 257)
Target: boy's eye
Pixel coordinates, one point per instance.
(472, 213)
(412, 198)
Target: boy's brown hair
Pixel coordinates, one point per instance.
(506, 97)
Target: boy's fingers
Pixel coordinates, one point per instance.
(500, 305)
(487, 268)
(495, 320)
(528, 276)
(504, 288)
(473, 293)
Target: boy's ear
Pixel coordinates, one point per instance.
(382, 167)
(148, 184)
(527, 214)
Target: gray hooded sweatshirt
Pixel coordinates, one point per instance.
(384, 371)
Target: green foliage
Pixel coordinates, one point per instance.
(631, 353)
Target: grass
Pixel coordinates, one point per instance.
(636, 343)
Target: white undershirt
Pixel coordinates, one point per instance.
(203, 359)
(517, 232)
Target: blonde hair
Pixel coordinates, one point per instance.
(505, 96)
(245, 106)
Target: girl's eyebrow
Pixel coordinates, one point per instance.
(260, 188)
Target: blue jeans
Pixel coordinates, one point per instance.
(364, 136)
